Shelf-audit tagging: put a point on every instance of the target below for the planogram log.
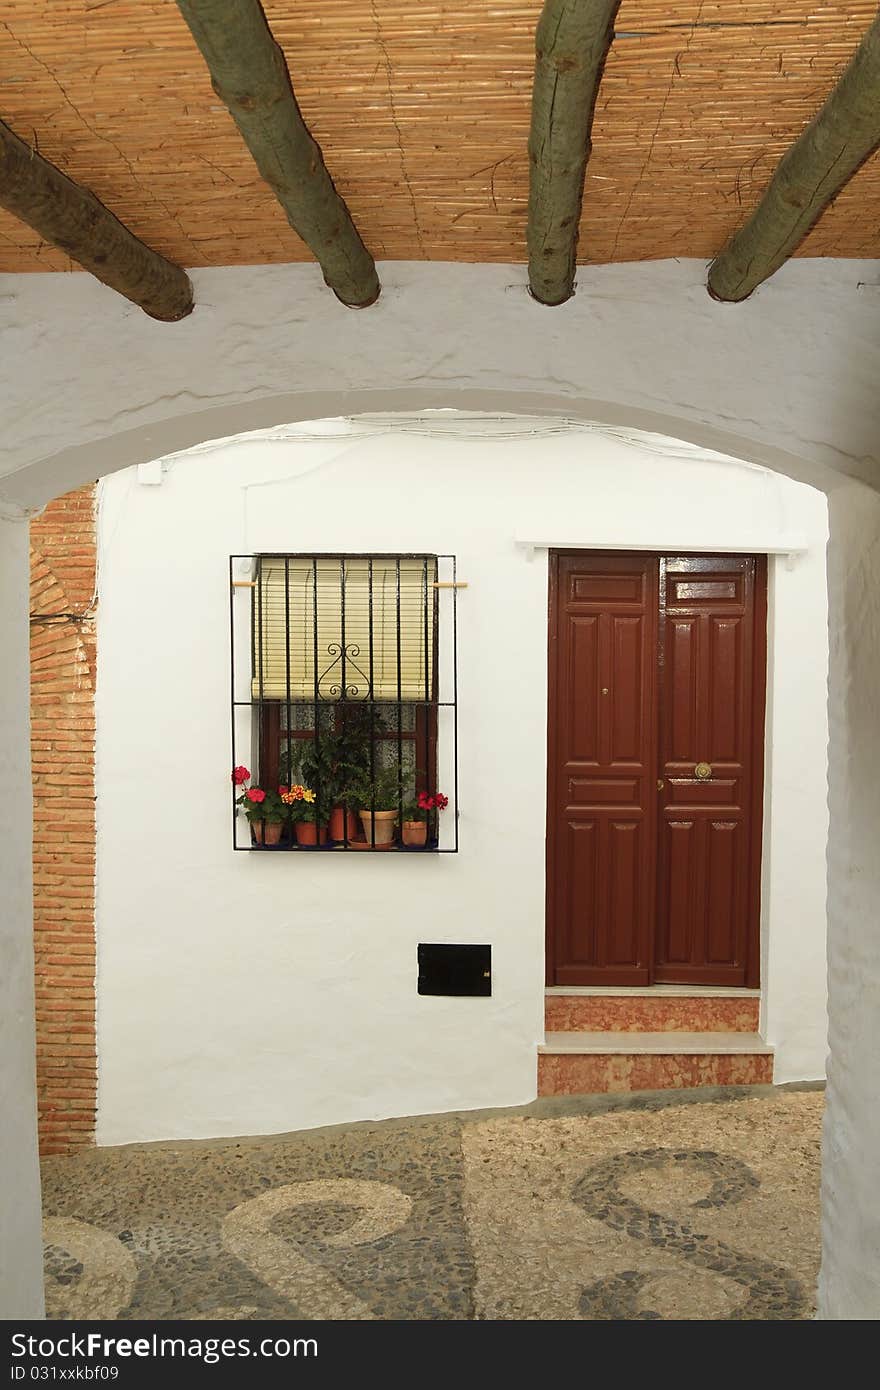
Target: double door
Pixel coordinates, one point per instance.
(655, 768)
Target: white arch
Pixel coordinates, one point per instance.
(79, 464)
(771, 382)
(787, 380)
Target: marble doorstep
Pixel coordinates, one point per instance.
(655, 991)
(662, 1044)
(656, 1013)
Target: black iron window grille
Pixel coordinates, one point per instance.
(344, 685)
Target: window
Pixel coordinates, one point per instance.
(343, 692)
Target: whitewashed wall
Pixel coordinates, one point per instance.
(259, 993)
(788, 379)
(21, 1249)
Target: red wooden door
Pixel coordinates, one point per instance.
(711, 689)
(653, 861)
(602, 762)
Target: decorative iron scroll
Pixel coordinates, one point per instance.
(336, 691)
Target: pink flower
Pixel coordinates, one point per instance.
(239, 775)
(255, 794)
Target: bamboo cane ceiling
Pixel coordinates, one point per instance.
(422, 111)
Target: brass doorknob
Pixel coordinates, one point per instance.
(703, 770)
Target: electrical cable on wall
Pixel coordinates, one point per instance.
(65, 617)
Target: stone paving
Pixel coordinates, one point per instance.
(689, 1205)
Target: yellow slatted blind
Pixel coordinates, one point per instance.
(337, 628)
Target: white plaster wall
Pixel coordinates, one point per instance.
(794, 897)
(21, 1249)
(258, 993)
(849, 1284)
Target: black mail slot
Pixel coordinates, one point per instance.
(460, 970)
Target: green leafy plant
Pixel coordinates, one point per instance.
(336, 764)
(320, 769)
(381, 792)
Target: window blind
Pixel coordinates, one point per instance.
(344, 628)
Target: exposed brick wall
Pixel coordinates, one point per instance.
(63, 572)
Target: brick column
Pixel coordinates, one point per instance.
(63, 579)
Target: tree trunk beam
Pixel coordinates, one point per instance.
(72, 218)
(839, 138)
(249, 74)
(571, 45)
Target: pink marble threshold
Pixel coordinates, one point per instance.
(650, 1014)
(592, 1072)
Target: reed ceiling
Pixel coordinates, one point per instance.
(422, 111)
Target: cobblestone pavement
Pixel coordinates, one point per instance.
(670, 1206)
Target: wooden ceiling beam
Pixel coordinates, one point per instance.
(571, 44)
(71, 218)
(839, 138)
(250, 75)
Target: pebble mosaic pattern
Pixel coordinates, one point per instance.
(625, 1213)
(771, 1292)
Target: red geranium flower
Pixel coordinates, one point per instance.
(256, 794)
(239, 775)
(426, 802)
(441, 801)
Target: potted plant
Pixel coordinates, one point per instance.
(309, 818)
(319, 771)
(332, 765)
(351, 769)
(378, 802)
(263, 808)
(418, 815)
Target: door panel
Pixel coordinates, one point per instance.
(601, 838)
(711, 689)
(627, 724)
(580, 694)
(723, 879)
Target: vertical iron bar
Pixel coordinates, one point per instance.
(316, 735)
(261, 639)
(425, 616)
(232, 680)
(435, 684)
(372, 719)
(399, 710)
(289, 741)
(455, 688)
(343, 689)
(342, 625)
(426, 715)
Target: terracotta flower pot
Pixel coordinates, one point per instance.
(344, 824)
(415, 832)
(384, 823)
(267, 832)
(307, 833)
